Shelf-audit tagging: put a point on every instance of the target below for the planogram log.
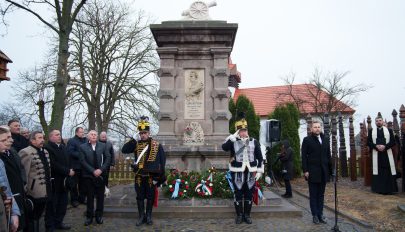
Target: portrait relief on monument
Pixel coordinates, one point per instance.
(194, 94)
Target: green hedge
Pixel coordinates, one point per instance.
(289, 117)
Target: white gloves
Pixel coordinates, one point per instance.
(268, 180)
(136, 136)
(258, 175)
(233, 137)
(107, 192)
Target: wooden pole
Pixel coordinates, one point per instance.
(402, 119)
(368, 164)
(362, 143)
(353, 155)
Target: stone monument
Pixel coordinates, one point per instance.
(194, 76)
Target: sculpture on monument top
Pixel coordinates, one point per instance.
(198, 11)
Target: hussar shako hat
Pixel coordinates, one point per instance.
(241, 123)
(143, 124)
(379, 116)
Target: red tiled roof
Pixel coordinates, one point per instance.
(234, 70)
(266, 99)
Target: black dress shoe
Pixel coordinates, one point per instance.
(75, 203)
(63, 226)
(99, 220)
(315, 220)
(88, 221)
(287, 195)
(322, 219)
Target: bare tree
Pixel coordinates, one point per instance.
(61, 23)
(10, 111)
(324, 93)
(114, 66)
(33, 94)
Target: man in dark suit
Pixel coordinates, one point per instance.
(78, 192)
(19, 141)
(60, 170)
(317, 168)
(110, 148)
(95, 158)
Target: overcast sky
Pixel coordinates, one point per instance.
(276, 38)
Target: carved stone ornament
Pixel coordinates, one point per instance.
(193, 134)
(198, 11)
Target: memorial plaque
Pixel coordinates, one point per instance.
(194, 94)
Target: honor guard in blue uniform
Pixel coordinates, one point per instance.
(149, 167)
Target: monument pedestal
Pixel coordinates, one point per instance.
(123, 204)
(194, 95)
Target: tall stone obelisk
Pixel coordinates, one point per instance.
(194, 75)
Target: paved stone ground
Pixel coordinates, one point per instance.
(75, 217)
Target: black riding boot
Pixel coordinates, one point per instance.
(99, 217)
(149, 207)
(239, 212)
(247, 209)
(141, 212)
(36, 225)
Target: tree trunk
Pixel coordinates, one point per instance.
(62, 79)
(91, 116)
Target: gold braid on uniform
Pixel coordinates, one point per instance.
(154, 147)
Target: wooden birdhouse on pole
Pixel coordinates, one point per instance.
(4, 60)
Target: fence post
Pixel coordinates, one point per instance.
(368, 164)
(362, 143)
(353, 158)
(326, 126)
(402, 119)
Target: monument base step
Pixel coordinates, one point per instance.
(284, 211)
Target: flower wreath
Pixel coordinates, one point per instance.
(205, 187)
(179, 185)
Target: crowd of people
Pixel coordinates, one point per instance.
(45, 174)
(38, 174)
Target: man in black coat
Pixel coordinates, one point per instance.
(317, 168)
(95, 158)
(19, 141)
(60, 171)
(12, 164)
(78, 192)
(110, 148)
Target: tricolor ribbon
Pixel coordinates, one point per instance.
(204, 188)
(229, 179)
(176, 188)
(258, 190)
(210, 177)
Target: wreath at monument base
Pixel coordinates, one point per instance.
(207, 184)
